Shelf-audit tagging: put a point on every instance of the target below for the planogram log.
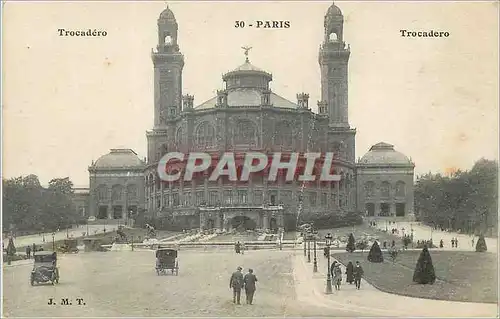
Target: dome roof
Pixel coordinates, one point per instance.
(334, 11)
(384, 154)
(245, 69)
(119, 158)
(167, 14)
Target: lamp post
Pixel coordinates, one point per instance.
(53, 242)
(328, 242)
(308, 248)
(87, 228)
(304, 241)
(315, 264)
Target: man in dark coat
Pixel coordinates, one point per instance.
(236, 282)
(350, 273)
(358, 274)
(28, 252)
(250, 279)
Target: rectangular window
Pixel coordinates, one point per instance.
(228, 197)
(213, 198)
(257, 197)
(273, 198)
(323, 199)
(312, 199)
(188, 199)
(200, 197)
(175, 199)
(242, 197)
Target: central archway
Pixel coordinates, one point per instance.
(243, 223)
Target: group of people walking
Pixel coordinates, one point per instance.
(239, 282)
(354, 273)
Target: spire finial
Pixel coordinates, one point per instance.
(246, 48)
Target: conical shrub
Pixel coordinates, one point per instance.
(11, 248)
(424, 270)
(481, 245)
(375, 255)
(351, 243)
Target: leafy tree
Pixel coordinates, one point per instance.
(351, 243)
(375, 255)
(481, 244)
(29, 206)
(424, 270)
(466, 200)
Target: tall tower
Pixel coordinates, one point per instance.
(168, 62)
(333, 61)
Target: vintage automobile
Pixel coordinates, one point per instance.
(69, 246)
(166, 259)
(45, 268)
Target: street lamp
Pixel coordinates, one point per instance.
(304, 241)
(328, 242)
(315, 264)
(53, 242)
(308, 248)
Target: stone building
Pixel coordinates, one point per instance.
(385, 182)
(116, 185)
(245, 115)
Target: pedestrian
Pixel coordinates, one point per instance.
(358, 274)
(236, 283)
(28, 252)
(337, 278)
(332, 269)
(456, 242)
(385, 244)
(453, 243)
(249, 280)
(350, 273)
(237, 247)
(393, 243)
(34, 249)
(473, 242)
(441, 243)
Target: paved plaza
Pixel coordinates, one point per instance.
(125, 284)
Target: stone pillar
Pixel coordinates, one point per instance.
(218, 222)
(202, 220)
(162, 195)
(205, 187)
(266, 221)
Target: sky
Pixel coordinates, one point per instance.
(69, 100)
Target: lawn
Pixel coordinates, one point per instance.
(359, 231)
(461, 276)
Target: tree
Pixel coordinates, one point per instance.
(11, 250)
(424, 270)
(375, 255)
(481, 245)
(351, 244)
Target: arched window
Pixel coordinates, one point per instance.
(400, 189)
(385, 189)
(205, 135)
(168, 39)
(116, 192)
(283, 134)
(369, 189)
(102, 192)
(333, 37)
(245, 132)
(132, 191)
